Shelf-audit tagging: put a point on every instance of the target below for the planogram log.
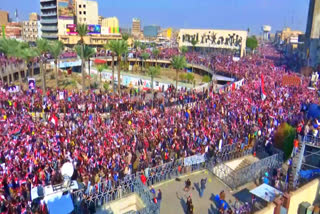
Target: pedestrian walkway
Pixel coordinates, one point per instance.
(174, 197)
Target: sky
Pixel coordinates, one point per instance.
(213, 14)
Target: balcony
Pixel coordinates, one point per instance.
(49, 28)
(48, 7)
(49, 21)
(48, 14)
(49, 36)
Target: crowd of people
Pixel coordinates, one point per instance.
(74, 126)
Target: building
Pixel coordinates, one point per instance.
(287, 33)
(87, 12)
(49, 19)
(65, 15)
(110, 26)
(210, 39)
(92, 40)
(266, 32)
(125, 30)
(151, 31)
(4, 18)
(13, 30)
(136, 27)
(30, 29)
(312, 34)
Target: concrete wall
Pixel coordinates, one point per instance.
(307, 193)
(267, 210)
(210, 38)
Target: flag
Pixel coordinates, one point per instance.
(53, 119)
(263, 93)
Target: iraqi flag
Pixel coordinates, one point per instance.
(263, 93)
(53, 119)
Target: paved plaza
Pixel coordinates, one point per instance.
(174, 197)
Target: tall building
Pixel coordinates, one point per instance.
(312, 35)
(136, 27)
(110, 26)
(4, 18)
(87, 12)
(30, 29)
(151, 31)
(49, 19)
(13, 30)
(65, 15)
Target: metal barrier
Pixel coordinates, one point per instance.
(311, 140)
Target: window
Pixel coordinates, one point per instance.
(84, 6)
(79, 5)
(80, 12)
(84, 12)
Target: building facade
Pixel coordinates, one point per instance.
(87, 12)
(93, 40)
(151, 31)
(232, 40)
(13, 30)
(30, 29)
(312, 34)
(66, 15)
(136, 27)
(49, 19)
(4, 18)
(110, 26)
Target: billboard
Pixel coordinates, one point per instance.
(65, 9)
(94, 29)
(72, 29)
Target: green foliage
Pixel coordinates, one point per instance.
(206, 78)
(284, 138)
(145, 56)
(119, 47)
(125, 36)
(101, 67)
(137, 44)
(156, 52)
(194, 42)
(42, 46)
(183, 50)
(189, 77)
(153, 71)
(106, 86)
(182, 77)
(143, 46)
(82, 30)
(179, 62)
(55, 48)
(84, 52)
(252, 42)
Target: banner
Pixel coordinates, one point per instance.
(94, 29)
(195, 159)
(72, 29)
(32, 83)
(14, 89)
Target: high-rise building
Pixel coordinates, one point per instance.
(87, 12)
(13, 30)
(136, 27)
(65, 15)
(312, 35)
(30, 29)
(110, 26)
(49, 19)
(4, 18)
(151, 31)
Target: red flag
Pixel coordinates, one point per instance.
(263, 93)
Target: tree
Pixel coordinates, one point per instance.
(119, 47)
(125, 38)
(82, 30)
(42, 49)
(206, 78)
(155, 53)
(28, 55)
(252, 42)
(84, 52)
(183, 50)
(178, 63)
(193, 42)
(55, 49)
(17, 52)
(153, 72)
(137, 45)
(100, 68)
(89, 52)
(144, 57)
(189, 77)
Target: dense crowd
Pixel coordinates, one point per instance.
(107, 137)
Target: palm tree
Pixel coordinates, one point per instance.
(193, 42)
(28, 55)
(84, 52)
(110, 46)
(55, 49)
(17, 53)
(152, 72)
(144, 57)
(183, 50)
(88, 53)
(143, 48)
(100, 68)
(82, 30)
(6, 47)
(155, 53)
(42, 49)
(119, 47)
(125, 38)
(137, 45)
(178, 63)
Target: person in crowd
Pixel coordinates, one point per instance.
(187, 185)
(203, 182)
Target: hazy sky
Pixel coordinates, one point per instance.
(216, 14)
